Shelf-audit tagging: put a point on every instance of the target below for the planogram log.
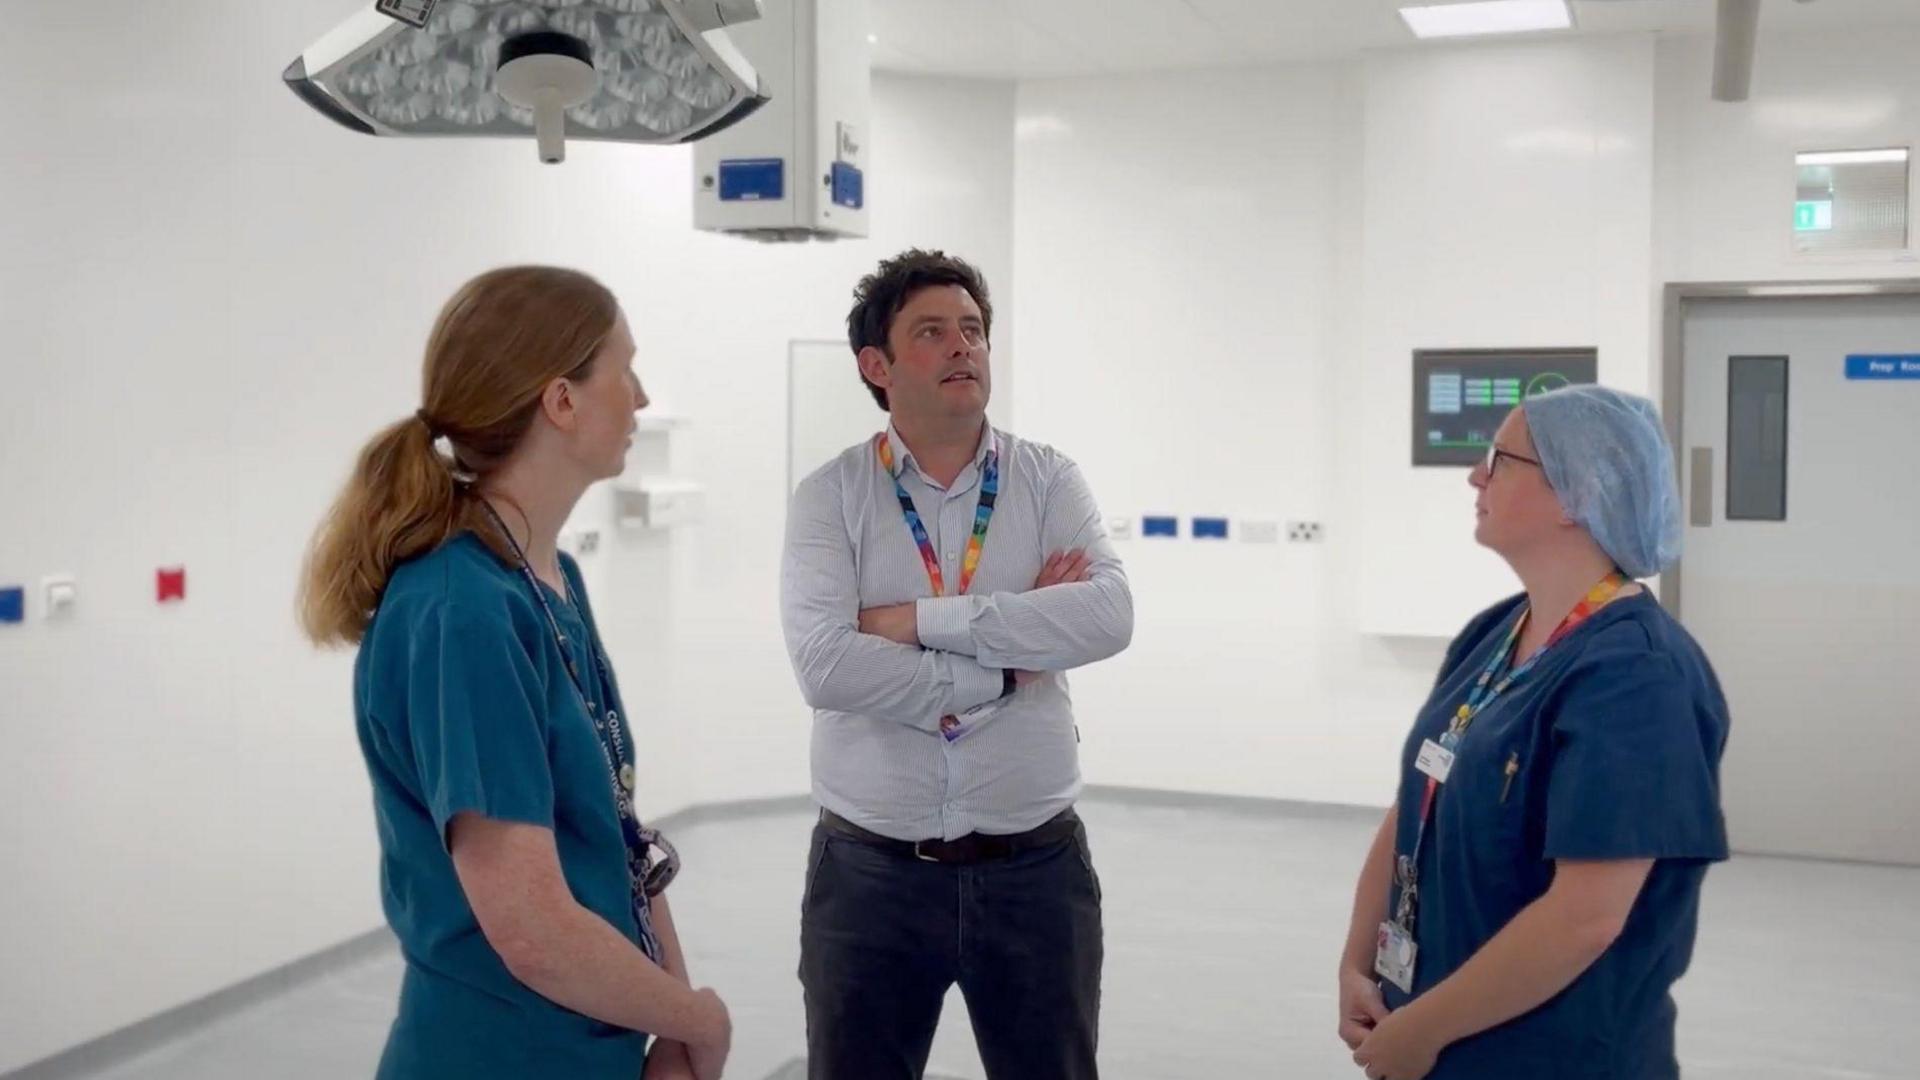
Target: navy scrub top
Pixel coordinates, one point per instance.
(463, 703)
(1616, 735)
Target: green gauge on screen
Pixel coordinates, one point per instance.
(1547, 381)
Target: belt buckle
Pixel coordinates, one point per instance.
(921, 855)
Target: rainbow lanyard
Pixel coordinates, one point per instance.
(1485, 691)
(982, 515)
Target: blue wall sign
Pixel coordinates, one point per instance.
(1895, 366)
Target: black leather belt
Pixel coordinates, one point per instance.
(971, 848)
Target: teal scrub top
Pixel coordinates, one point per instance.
(463, 703)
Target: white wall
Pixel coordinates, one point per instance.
(1508, 204)
(1180, 244)
(209, 297)
(1726, 174)
(1223, 277)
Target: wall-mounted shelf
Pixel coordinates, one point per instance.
(657, 502)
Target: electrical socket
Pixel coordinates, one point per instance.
(1303, 532)
(1258, 530)
(59, 595)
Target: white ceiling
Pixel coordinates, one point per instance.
(1035, 39)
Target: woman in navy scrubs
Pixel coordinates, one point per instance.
(525, 893)
(1533, 894)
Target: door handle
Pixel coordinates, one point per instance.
(1702, 487)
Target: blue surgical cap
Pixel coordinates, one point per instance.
(1606, 455)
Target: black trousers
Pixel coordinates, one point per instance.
(883, 937)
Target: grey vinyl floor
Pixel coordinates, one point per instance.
(1223, 926)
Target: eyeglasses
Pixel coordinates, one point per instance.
(1494, 454)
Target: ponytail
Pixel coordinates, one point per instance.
(402, 500)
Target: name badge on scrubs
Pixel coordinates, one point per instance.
(1393, 957)
(1435, 760)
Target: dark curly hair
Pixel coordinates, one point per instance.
(881, 294)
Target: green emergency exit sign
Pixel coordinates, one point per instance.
(1812, 215)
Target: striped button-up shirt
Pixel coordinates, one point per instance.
(879, 758)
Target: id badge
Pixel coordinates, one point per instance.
(1435, 760)
(953, 727)
(1394, 956)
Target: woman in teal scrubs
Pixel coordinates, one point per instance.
(1532, 895)
(526, 894)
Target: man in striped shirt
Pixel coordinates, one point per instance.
(938, 581)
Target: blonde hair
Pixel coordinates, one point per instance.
(497, 345)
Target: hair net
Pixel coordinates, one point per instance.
(1607, 458)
